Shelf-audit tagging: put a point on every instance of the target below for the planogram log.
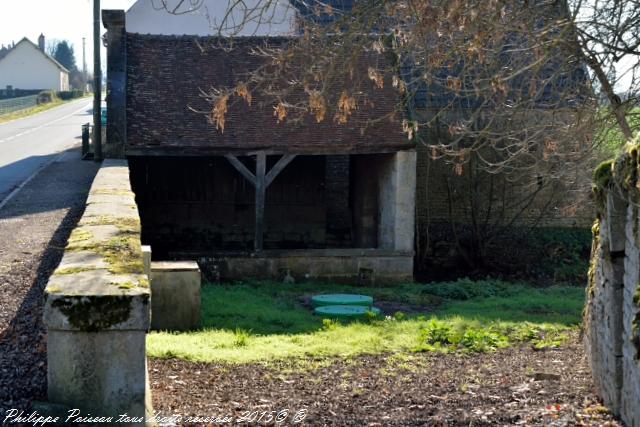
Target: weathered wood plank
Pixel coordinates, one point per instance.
(279, 167)
(260, 179)
(240, 167)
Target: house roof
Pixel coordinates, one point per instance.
(35, 46)
(166, 77)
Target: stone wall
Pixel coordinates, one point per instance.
(611, 332)
(97, 306)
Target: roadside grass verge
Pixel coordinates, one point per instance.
(262, 321)
(21, 114)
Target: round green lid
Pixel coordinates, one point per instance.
(341, 299)
(345, 311)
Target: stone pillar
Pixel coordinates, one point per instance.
(397, 189)
(96, 343)
(630, 393)
(114, 22)
(175, 295)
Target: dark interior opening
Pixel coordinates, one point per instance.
(203, 205)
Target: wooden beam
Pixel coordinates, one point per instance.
(278, 167)
(240, 167)
(260, 184)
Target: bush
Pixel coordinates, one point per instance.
(70, 94)
(46, 97)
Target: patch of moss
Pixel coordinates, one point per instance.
(124, 285)
(93, 313)
(79, 235)
(123, 224)
(71, 270)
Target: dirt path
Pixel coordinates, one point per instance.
(34, 227)
(512, 387)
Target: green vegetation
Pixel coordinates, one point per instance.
(21, 114)
(610, 139)
(248, 322)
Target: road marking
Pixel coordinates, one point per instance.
(61, 155)
(43, 112)
(11, 138)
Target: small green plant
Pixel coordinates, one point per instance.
(241, 338)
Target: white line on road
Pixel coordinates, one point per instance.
(26, 132)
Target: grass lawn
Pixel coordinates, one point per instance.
(261, 321)
(20, 114)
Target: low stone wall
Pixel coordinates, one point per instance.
(365, 266)
(97, 306)
(612, 315)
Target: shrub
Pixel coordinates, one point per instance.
(70, 94)
(46, 97)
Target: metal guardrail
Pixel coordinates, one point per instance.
(16, 104)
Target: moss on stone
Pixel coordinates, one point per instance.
(79, 235)
(71, 270)
(94, 313)
(123, 224)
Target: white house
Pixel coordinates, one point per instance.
(27, 66)
(212, 17)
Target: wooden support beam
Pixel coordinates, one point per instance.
(278, 167)
(240, 167)
(261, 187)
(260, 180)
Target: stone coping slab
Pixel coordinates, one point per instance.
(175, 266)
(100, 283)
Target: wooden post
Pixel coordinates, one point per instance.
(261, 180)
(261, 168)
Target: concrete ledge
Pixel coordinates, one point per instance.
(345, 266)
(97, 305)
(175, 287)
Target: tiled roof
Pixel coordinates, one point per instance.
(167, 74)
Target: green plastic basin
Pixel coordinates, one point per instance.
(341, 299)
(345, 311)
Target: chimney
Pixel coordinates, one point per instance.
(41, 42)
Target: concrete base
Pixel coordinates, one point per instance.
(354, 266)
(102, 373)
(175, 295)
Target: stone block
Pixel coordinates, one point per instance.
(175, 295)
(102, 373)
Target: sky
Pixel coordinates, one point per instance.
(57, 19)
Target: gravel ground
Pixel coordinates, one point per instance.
(518, 386)
(512, 387)
(34, 227)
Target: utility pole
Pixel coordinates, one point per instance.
(84, 63)
(97, 84)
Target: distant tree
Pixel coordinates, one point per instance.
(63, 53)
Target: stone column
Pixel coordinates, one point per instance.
(96, 343)
(114, 21)
(397, 186)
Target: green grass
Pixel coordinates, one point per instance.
(251, 322)
(20, 114)
(609, 137)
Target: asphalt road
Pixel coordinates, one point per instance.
(28, 144)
